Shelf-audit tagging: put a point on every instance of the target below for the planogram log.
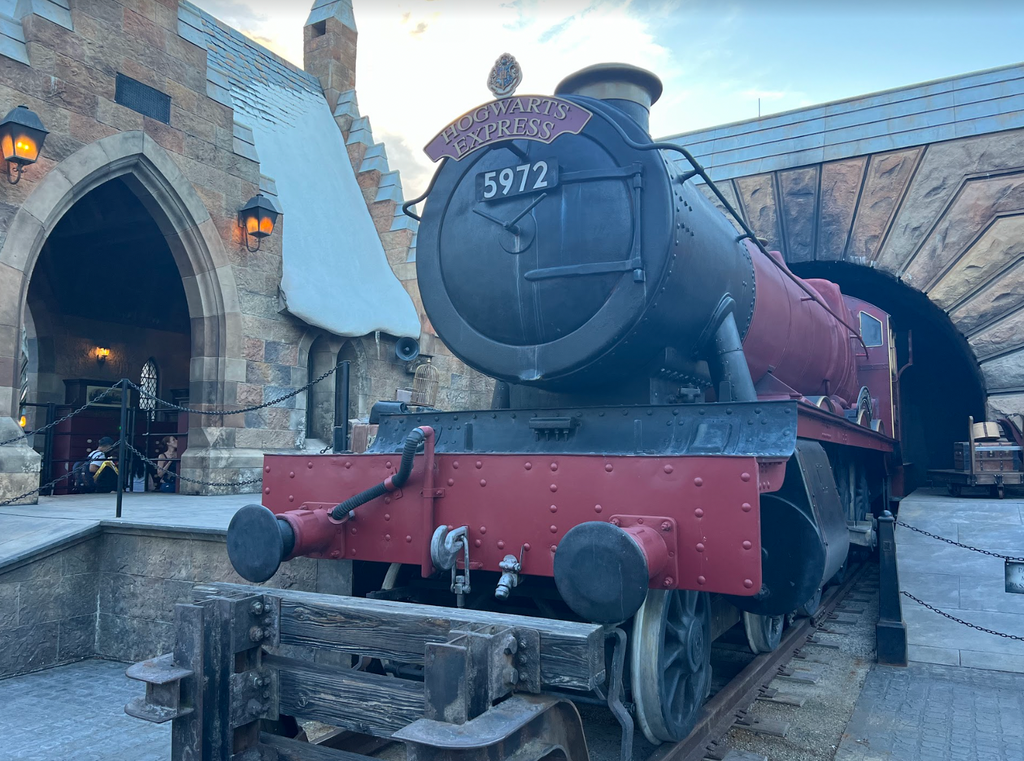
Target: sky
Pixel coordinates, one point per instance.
(421, 63)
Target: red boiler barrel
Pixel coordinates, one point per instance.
(803, 345)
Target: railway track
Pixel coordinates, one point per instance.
(730, 706)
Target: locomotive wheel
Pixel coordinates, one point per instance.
(809, 608)
(764, 633)
(671, 662)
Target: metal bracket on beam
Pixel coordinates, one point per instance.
(162, 701)
(254, 695)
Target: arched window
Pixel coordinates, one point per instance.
(149, 382)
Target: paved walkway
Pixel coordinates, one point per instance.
(936, 713)
(965, 584)
(77, 712)
(26, 529)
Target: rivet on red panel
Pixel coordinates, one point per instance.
(553, 508)
(701, 580)
(477, 543)
(669, 468)
(501, 545)
(554, 547)
(528, 465)
(479, 464)
(309, 465)
(526, 547)
(747, 545)
(291, 497)
(553, 487)
(483, 482)
(387, 464)
(387, 500)
(609, 467)
(455, 465)
(266, 468)
(640, 520)
(554, 529)
(744, 477)
(699, 512)
(387, 537)
(554, 466)
(483, 529)
(355, 530)
(337, 554)
(408, 540)
(615, 521)
(700, 547)
(291, 474)
(348, 465)
(266, 490)
(698, 481)
(746, 507)
(598, 508)
(387, 516)
(669, 581)
(748, 583)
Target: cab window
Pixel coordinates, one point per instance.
(870, 329)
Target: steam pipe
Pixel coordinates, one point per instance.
(416, 437)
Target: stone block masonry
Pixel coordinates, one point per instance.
(111, 592)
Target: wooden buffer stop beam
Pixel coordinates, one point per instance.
(248, 662)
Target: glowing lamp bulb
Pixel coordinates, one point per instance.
(23, 422)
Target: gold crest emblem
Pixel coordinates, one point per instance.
(505, 76)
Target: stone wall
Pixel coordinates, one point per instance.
(111, 593)
(943, 218)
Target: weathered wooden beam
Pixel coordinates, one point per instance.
(294, 750)
(571, 654)
(368, 703)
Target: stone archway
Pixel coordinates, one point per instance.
(217, 363)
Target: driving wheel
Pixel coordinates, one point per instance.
(764, 633)
(671, 662)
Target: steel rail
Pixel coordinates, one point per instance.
(735, 699)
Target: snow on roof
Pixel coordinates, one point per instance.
(335, 273)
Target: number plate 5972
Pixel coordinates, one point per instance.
(517, 180)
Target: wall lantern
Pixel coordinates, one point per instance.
(21, 139)
(257, 219)
(23, 422)
(102, 354)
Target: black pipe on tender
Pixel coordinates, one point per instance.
(412, 442)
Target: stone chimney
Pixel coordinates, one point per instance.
(329, 50)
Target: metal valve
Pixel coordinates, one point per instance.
(510, 570)
(444, 553)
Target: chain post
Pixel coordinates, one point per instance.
(891, 629)
(121, 444)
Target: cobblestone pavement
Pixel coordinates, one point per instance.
(77, 712)
(936, 713)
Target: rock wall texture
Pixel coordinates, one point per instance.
(947, 219)
(112, 595)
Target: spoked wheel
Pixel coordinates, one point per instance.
(810, 607)
(764, 633)
(671, 662)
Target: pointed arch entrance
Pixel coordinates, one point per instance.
(213, 321)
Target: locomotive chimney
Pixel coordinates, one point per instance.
(628, 88)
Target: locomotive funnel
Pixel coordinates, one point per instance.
(625, 86)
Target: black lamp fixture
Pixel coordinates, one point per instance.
(21, 139)
(257, 219)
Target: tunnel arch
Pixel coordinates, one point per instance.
(943, 385)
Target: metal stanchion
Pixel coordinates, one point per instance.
(121, 446)
(341, 402)
(891, 630)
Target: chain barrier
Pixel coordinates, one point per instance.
(54, 482)
(959, 544)
(254, 408)
(960, 620)
(172, 474)
(70, 415)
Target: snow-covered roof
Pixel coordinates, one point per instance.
(335, 273)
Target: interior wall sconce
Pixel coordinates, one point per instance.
(21, 139)
(257, 219)
(101, 355)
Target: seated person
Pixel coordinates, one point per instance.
(103, 470)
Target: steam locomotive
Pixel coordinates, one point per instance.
(684, 435)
